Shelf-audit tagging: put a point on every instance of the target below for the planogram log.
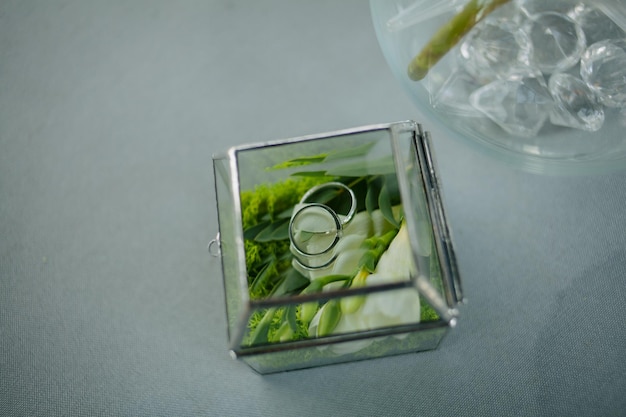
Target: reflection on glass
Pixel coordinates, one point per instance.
(335, 266)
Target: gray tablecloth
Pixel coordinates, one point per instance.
(110, 112)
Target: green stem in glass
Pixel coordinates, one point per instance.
(449, 35)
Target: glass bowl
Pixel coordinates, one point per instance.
(494, 90)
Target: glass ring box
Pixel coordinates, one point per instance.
(334, 247)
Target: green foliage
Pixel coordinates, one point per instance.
(427, 313)
(265, 217)
(297, 162)
(376, 246)
(327, 157)
(329, 318)
(276, 324)
(384, 202)
(268, 202)
(266, 211)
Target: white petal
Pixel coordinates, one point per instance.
(391, 308)
(397, 261)
(347, 262)
(350, 323)
(361, 224)
(348, 242)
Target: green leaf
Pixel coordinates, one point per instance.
(381, 166)
(359, 188)
(252, 232)
(260, 333)
(285, 214)
(270, 217)
(264, 276)
(325, 280)
(329, 318)
(309, 174)
(291, 318)
(368, 261)
(351, 304)
(313, 287)
(283, 334)
(393, 188)
(384, 202)
(278, 230)
(292, 282)
(304, 160)
(371, 198)
(325, 157)
(350, 152)
(286, 255)
(282, 231)
(307, 311)
(317, 284)
(326, 195)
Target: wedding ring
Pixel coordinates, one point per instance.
(330, 185)
(315, 228)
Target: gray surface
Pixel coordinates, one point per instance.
(109, 305)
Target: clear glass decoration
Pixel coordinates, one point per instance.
(478, 69)
(334, 248)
